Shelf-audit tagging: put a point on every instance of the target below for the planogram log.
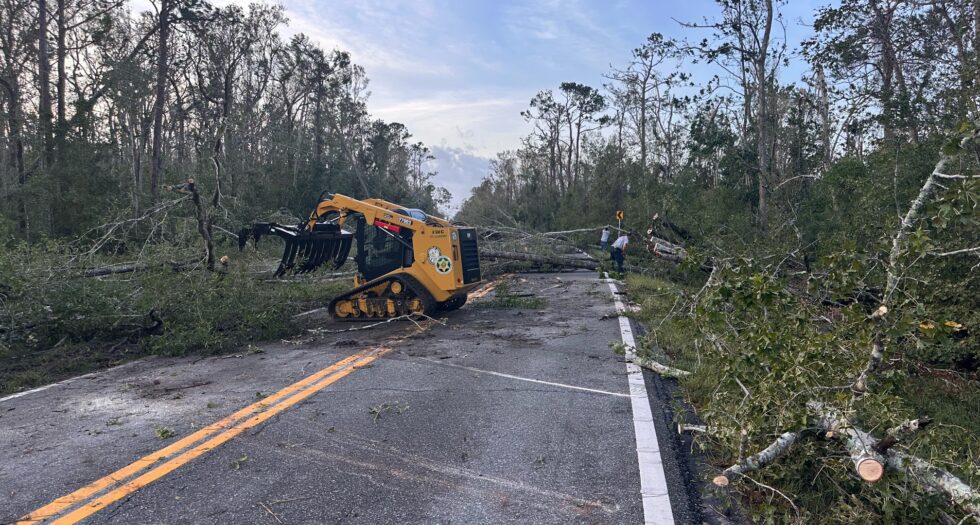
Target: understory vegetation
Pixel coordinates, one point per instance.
(58, 322)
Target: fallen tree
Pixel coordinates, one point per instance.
(555, 260)
(495, 238)
(133, 267)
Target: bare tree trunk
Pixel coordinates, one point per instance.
(62, 53)
(642, 128)
(203, 217)
(137, 167)
(824, 101)
(44, 82)
(976, 29)
(163, 64)
(763, 135)
(17, 161)
(578, 144)
(881, 29)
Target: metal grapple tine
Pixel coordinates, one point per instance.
(332, 252)
(343, 251)
(308, 246)
(329, 245)
(310, 264)
(288, 255)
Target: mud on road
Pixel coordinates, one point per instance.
(491, 415)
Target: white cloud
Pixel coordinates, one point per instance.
(458, 171)
(482, 123)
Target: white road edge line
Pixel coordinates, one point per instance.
(653, 480)
(528, 379)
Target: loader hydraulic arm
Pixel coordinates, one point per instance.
(376, 212)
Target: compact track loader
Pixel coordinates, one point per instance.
(407, 261)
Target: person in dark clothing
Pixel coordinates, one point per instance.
(619, 250)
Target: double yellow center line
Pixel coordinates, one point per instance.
(105, 491)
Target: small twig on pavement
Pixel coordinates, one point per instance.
(267, 509)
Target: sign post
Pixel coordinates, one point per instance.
(619, 217)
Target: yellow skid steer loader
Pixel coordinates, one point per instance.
(407, 261)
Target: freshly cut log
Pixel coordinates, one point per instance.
(868, 463)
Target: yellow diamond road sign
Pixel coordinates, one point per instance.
(619, 215)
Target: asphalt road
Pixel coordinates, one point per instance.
(495, 416)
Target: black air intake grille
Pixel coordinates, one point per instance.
(470, 255)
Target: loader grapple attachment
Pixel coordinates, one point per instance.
(305, 250)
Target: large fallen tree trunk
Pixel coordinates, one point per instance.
(567, 261)
(114, 269)
(555, 260)
(656, 246)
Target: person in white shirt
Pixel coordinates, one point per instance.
(604, 239)
(619, 249)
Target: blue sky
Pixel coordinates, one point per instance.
(458, 73)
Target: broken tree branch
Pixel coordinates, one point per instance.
(936, 480)
(660, 368)
(928, 187)
(860, 385)
(975, 249)
(867, 460)
(902, 432)
(757, 461)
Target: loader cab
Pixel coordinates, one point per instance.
(381, 251)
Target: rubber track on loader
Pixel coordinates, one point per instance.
(429, 304)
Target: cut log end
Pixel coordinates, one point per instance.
(721, 480)
(870, 469)
(880, 312)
